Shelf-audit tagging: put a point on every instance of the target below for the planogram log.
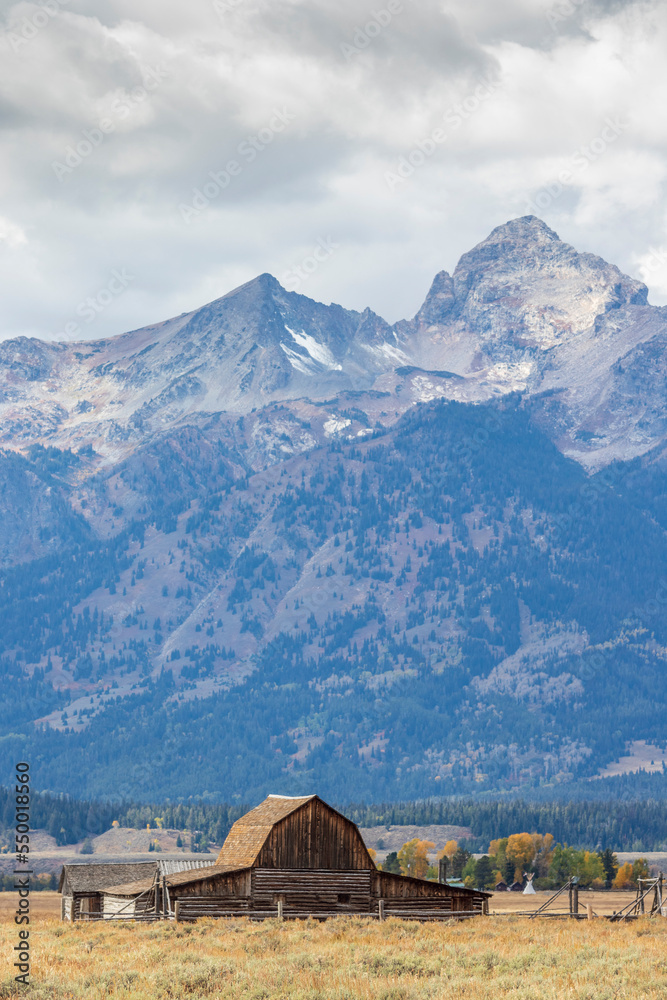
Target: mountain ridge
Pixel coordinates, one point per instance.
(341, 552)
(522, 312)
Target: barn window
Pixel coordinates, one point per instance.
(343, 897)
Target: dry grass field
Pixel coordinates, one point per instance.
(344, 959)
(43, 906)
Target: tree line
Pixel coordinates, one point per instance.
(515, 860)
(619, 826)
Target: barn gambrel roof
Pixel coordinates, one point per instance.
(248, 835)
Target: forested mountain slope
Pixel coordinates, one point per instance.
(307, 549)
(448, 605)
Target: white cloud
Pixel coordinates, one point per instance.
(220, 80)
(11, 235)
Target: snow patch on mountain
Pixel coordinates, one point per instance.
(298, 362)
(513, 377)
(387, 352)
(335, 425)
(318, 352)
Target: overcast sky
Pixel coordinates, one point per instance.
(393, 136)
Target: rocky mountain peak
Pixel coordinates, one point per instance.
(440, 300)
(262, 287)
(524, 253)
(524, 281)
(523, 312)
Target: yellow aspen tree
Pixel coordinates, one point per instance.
(520, 849)
(413, 857)
(449, 850)
(624, 877)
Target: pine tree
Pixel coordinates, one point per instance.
(610, 865)
(391, 864)
(484, 873)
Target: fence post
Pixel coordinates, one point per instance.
(381, 910)
(575, 901)
(280, 910)
(589, 910)
(177, 910)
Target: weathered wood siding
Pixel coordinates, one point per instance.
(323, 893)
(315, 837)
(193, 907)
(310, 891)
(402, 894)
(86, 906)
(235, 885)
(118, 906)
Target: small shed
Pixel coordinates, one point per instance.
(81, 883)
(501, 886)
(297, 857)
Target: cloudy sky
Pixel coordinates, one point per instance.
(155, 155)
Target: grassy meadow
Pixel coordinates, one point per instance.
(343, 959)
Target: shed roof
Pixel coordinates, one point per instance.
(95, 877)
(170, 867)
(246, 838)
(177, 878)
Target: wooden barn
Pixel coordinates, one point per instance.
(81, 884)
(292, 857)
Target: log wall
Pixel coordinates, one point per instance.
(324, 893)
(236, 885)
(400, 891)
(304, 892)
